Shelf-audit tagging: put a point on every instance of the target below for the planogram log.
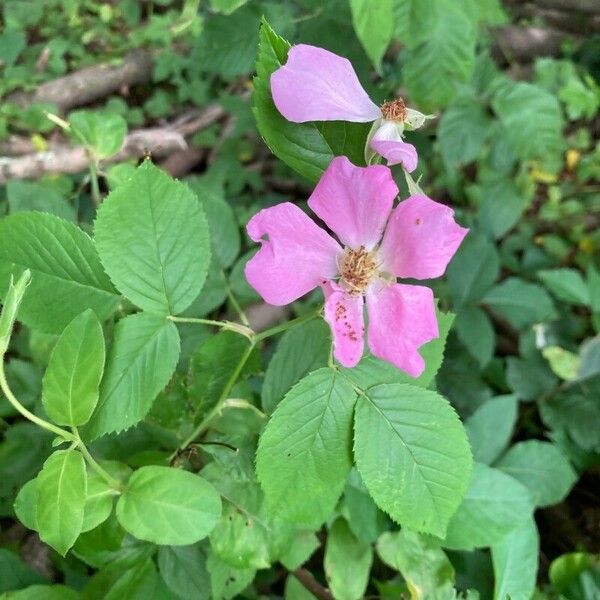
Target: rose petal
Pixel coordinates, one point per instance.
(421, 238)
(401, 319)
(344, 314)
(397, 153)
(318, 85)
(295, 257)
(354, 202)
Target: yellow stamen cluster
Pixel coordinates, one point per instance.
(394, 110)
(358, 268)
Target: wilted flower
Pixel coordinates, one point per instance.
(318, 85)
(415, 240)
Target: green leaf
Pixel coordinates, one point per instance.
(473, 270)
(226, 6)
(347, 562)
(213, 365)
(300, 550)
(26, 505)
(303, 456)
(227, 582)
(418, 558)
(61, 488)
(522, 303)
(567, 285)
(184, 571)
(100, 495)
(15, 574)
(462, 132)
(67, 276)
(10, 308)
(168, 506)
(374, 24)
(476, 332)
(490, 427)
(301, 350)
(42, 592)
(412, 453)
(527, 113)
(494, 505)
(308, 148)
(141, 361)
(542, 468)
(515, 560)
(575, 575)
(72, 379)
(502, 205)
(563, 363)
(152, 237)
(437, 66)
(103, 132)
(29, 196)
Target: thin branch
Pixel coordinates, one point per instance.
(307, 579)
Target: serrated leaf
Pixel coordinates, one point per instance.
(71, 383)
(475, 330)
(301, 350)
(29, 196)
(502, 205)
(141, 360)
(303, 455)
(438, 65)
(168, 507)
(490, 427)
(542, 468)
(61, 490)
(494, 505)
(412, 453)
(515, 559)
(67, 276)
(26, 505)
(308, 148)
(152, 237)
(347, 562)
(374, 24)
(527, 113)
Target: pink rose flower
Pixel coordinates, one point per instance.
(318, 85)
(415, 240)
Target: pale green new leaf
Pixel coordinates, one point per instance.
(141, 361)
(71, 383)
(494, 505)
(374, 24)
(542, 468)
(152, 237)
(418, 558)
(413, 455)
(67, 276)
(103, 132)
(168, 506)
(304, 456)
(515, 560)
(61, 488)
(347, 562)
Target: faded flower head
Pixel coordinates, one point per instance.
(318, 85)
(377, 244)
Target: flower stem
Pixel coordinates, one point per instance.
(228, 325)
(287, 325)
(234, 301)
(27, 413)
(96, 196)
(112, 482)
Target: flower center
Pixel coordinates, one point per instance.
(394, 110)
(358, 268)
